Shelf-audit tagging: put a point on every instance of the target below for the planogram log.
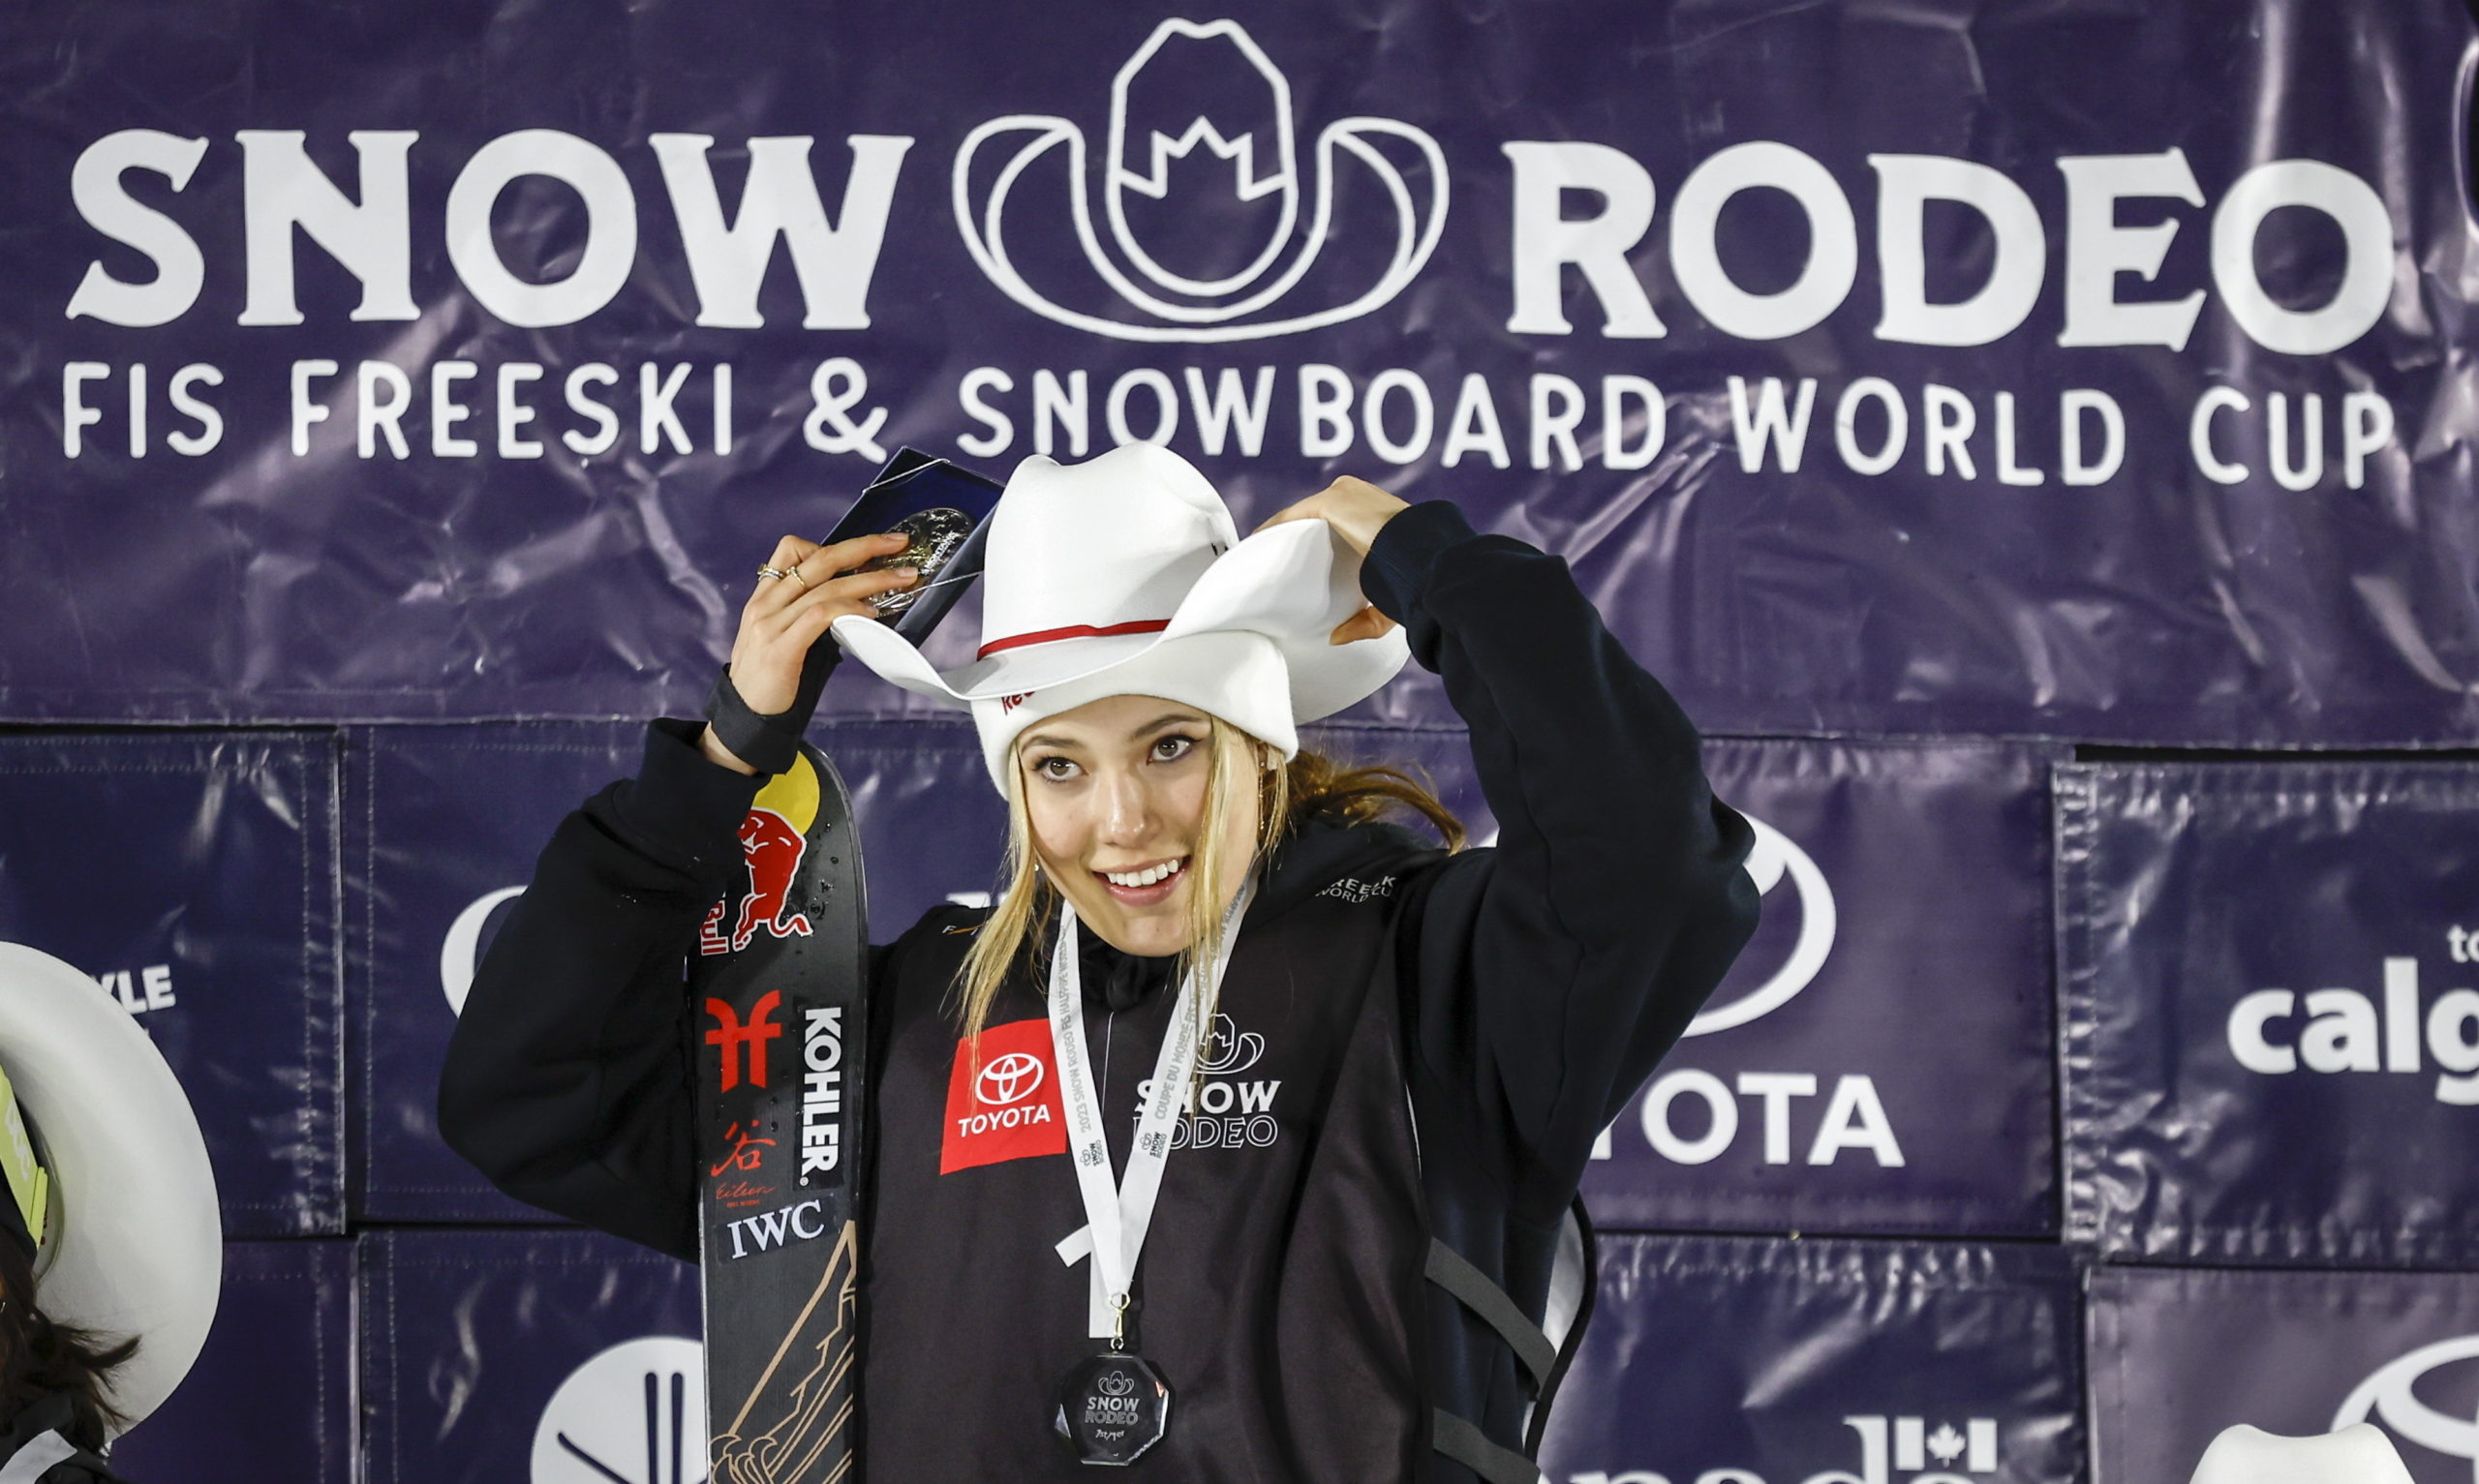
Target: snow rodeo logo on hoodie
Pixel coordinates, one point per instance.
(1225, 1112)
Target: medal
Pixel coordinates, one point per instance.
(1114, 1405)
(937, 535)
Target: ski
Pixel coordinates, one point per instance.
(778, 986)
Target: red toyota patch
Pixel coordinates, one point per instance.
(1002, 1104)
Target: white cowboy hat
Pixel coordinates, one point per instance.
(2357, 1454)
(1124, 575)
(135, 1243)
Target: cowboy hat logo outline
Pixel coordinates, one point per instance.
(1228, 1049)
(1238, 295)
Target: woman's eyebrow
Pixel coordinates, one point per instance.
(1031, 742)
(1173, 720)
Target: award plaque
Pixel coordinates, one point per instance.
(944, 508)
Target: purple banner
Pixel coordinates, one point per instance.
(1745, 1362)
(2177, 1356)
(560, 1357)
(2271, 1033)
(1878, 1059)
(442, 826)
(271, 1395)
(193, 876)
(2090, 369)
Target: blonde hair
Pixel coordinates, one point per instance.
(1024, 910)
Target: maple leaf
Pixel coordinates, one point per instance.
(1945, 1444)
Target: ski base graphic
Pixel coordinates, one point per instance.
(776, 991)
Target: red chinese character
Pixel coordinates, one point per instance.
(745, 1154)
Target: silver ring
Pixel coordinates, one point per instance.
(775, 573)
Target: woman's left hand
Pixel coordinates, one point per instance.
(1357, 510)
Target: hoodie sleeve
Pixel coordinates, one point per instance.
(1552, 972)
(568, 1080)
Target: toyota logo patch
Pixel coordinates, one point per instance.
(1010, 1079)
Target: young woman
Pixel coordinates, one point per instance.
(1380, 1065)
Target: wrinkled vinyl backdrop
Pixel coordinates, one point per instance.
(394, 400)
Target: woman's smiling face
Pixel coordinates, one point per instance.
(1115, 791)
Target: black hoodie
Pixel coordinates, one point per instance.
(1417, 1046)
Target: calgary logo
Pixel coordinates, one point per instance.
(1241, 252)
(1117, 1384)
(1776, 855)
(2389, 1398)
(1010, 1079)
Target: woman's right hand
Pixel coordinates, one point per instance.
(785, 616)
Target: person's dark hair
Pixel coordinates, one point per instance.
(38, 1358)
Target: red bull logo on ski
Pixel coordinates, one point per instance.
(774, 842)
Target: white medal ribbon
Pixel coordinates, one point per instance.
(1117, 1219)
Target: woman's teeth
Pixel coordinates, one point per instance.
(1145, 877)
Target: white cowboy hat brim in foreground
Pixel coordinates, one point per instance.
(1293, 584)
(2357, 1454)
(135, 1243)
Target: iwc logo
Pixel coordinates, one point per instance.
(633, 1415)
(1218, 256)
(2390, 1399)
